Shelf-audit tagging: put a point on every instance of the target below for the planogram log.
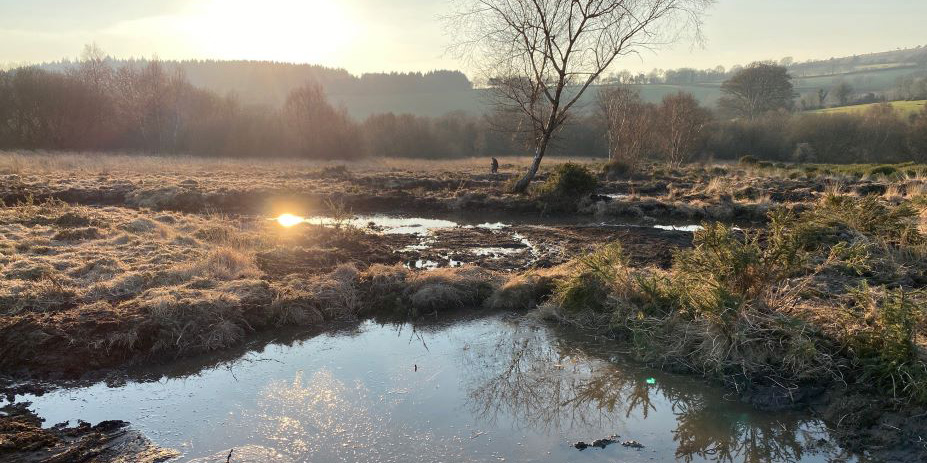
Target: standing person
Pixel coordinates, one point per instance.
(495, 166)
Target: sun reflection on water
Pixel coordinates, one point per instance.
(289, 220)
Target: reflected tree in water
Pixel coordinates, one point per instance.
(550, 383)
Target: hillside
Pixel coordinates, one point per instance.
(440, 92)
(905, 107)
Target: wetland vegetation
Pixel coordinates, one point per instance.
(801, 290)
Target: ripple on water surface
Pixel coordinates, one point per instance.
(490, 389)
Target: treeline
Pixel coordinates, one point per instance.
(679, 130)
(878, 134)
(269, 82)
(154, 108)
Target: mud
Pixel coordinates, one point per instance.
(24, 440)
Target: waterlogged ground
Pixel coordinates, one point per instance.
(489, 389)
(506, 242)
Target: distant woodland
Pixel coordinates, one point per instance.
(241, 108)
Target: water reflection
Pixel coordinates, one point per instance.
(557, 383)
(475, 390)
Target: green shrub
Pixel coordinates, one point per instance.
(568, 181)
(886, 348)
(599, 274)
(726, 269)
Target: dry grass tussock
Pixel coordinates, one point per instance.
(179, 284)
(144, 283)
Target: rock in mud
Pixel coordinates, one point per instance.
(22, 440)
(602, 443)
(598, 443)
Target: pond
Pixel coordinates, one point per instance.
(493, 388)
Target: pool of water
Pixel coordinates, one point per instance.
(496, 388)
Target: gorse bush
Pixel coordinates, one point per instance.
(568, 181)
(599, 274)
(886, 350)
(727, 269)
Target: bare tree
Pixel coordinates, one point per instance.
(682, 122)
(822, 97)
(629, 124)
(842, 91)
(756, 90)
(540, 56)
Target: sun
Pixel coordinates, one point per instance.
(306, 31)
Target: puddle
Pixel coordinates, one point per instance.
(388, 224)
(496, 251)
(686, 228)
(491, 389)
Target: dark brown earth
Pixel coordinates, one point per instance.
(23, 440)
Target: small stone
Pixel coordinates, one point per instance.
(581, 445)
(602, 443)
(632, 444)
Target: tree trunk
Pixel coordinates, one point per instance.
(522, 185)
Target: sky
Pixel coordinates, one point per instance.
(408, 35)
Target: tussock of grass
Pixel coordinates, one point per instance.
(523, 291)
(449, 289)
(224, 263)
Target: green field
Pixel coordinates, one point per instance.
(874, 80)
(905, 107)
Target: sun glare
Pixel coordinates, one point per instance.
(289, 220)
(314, 31)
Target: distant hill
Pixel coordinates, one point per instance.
(440, 92)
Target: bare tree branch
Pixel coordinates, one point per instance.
(540, 56)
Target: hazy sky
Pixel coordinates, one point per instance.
(406, 35)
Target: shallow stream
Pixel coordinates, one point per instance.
(496, 388)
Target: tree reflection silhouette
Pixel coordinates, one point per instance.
(552, 382)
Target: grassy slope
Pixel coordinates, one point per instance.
(905, 107)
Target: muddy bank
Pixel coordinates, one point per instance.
(24, 440)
